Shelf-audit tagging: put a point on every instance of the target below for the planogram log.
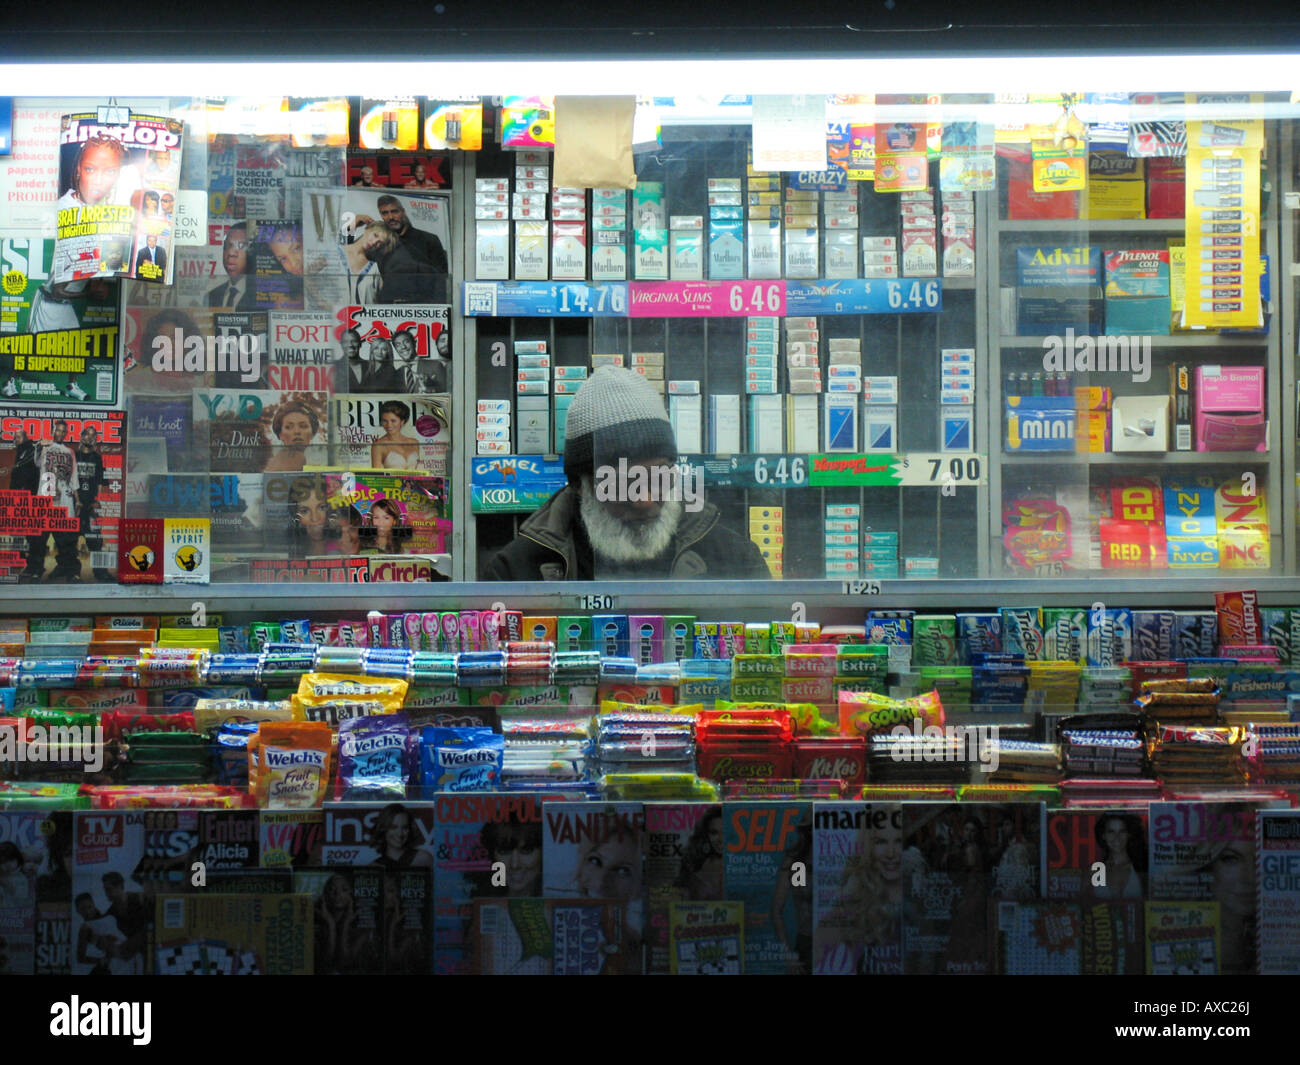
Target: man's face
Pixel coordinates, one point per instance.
(113, 890)
(394, 216)
(60, 432)
(635, 511)
(152, 241)
(168, 203)
(419, 173)
(403, 347)
(351, 346)
(89, 437)
(97, 173)
(367, 175)
(234, 253)
(287, 248)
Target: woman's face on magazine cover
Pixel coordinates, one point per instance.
(295, 430)
(390, 423)
(1234, 878)
(312, 515)
(399, 831)
(1116, 837)
(611, 870)
(97, 173)
(381, 519)
(887, 852)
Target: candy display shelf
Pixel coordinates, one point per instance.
(752, 600)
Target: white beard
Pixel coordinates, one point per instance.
(625, 542)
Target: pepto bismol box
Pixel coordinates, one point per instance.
(1064, 633)
(1155, 635)
(1110, 637)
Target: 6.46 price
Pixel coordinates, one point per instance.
(758, 299)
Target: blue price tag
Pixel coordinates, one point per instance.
(543, 299)
(906, 296)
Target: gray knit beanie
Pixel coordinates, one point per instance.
(616, 414)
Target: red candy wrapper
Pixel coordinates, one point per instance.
(835, 757)
(1239, 618)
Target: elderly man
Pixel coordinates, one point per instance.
(603, 524)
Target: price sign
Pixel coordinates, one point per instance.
(964, 469)
(908, 296)
(706, 299)
(752, 471)
(541, 299)
(860, 587)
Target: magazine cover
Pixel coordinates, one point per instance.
(53, 926)
(561, 937)
(959, 858)
(22, 854)
(291, 838)
(58, 343)
(683, 862)
(592, 850)
(396, 432)
(171, 350)
(232, 501)
(61, 481)
(379, 514)
(234, 935)
(1111, 942)
(257, 184)
(1207, 851)
(347, 908)
(395, 836)
(1036, 938)
(768, 868)
(858, 888)
(278, 262)
(1096, 854)
(403, 350)
(228, 840)
(408, 922)
(413, 173)
(119, 171)
(489, 846)
(305, 354)
(706, 938)
(1183, 939)
(372, 246)
(246, 431)
(242, 334)
(121, 862)
(1278, 880)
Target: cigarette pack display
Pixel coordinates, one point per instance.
(531, 260)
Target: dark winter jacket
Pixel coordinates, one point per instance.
(552, 545)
